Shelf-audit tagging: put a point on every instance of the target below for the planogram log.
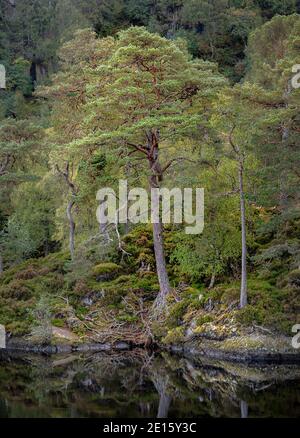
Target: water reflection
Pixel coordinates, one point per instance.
(138, 384)
(244, 409)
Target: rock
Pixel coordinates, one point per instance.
(92, 347)
(177, 348)
(249, 349)
(64, 334)
(87, 382)
(106, 271)
(64, 348)
(91, 298)
(121, 346)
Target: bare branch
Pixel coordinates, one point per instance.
(66, 175)
(138, 148)
(175, 160)
(230, 138)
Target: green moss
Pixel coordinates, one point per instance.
(176, 314)
(81, 311)
(123, 279)
(243, 343)
(192, 293)
(250, 314)
(58, 322)
(106, 269)
(204, 319)
(113, 295)
(230, 295)
(174, 336)
(127, 318)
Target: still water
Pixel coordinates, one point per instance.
(137, 384)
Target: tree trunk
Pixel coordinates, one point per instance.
(1, 265)
(158, 240)
(244, 293)
(67, 175)
(72, 227)
(46, 248)
(212, 281)
(283, 197)
(126, 228)
(161, 265)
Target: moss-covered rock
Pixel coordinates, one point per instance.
(174, 336)
(106, 271)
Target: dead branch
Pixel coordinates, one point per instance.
(66, 175)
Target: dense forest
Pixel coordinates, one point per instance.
(161, 93)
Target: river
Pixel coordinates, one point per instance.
(139, 384)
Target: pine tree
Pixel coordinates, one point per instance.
(140, 98)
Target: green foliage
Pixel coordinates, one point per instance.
(41, 332)
(212, 252)
(176, 313)
(108, 96)
(106, 269)
(174, 336)
(22, 287)
(58, 322)
(204, 320)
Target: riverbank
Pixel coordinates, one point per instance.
(48, 306)
(255, 348)
(247, 349)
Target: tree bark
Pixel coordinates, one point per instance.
(212, 281)
(151, 151)
(161, 265)
(1, 265)
(158, 240)
(68, 178)
(72, 227)
(158, 232)
(283, 196)
(244, 292)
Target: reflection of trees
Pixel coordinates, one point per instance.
(244, 409)
(161, 383)
(138, 384)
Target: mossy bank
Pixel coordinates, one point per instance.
(49, 302)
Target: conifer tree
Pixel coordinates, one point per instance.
(148, 92)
